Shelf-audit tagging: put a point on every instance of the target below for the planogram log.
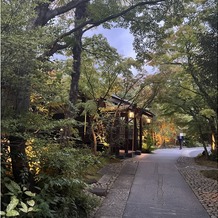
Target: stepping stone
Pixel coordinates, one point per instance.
(99, 191)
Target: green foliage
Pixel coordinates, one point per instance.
(59, 183)
(99, 70)
(100, 9)
(17, 200)
(50, 84)
(57, 166)
(187, 59)
(148, 145)
(90, 107)
(61, 180)
(20, 48)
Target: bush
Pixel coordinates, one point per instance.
(61, 181)
(147, 146)
(56, 167)
(58, 190)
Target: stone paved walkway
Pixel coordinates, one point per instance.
(204, 188)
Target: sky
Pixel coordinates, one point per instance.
(119, 38)
(122, 40)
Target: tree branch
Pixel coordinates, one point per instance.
(56, 47)
(45, 14)
(97, 23)
(173, 63)
(186, 88)
(111, 17)
(69, 6)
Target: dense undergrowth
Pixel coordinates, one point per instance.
(58, 185)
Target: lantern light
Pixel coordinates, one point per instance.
(131, 114)
(148, 120)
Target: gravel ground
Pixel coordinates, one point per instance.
(101, 188)
(205, 189)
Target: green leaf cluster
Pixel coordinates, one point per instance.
(61, 180)
(17, 200)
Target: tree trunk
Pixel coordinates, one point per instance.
(114, 135)
(203, 142)
(214, 136)
(15, 99)
(94, 139)
(140, 133)
(80, 15)
(15, 103)
(214, 132)
(135, 134)
(74, 87)
(20, 165)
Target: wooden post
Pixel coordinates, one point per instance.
(135, 134)
(126, 133)
(140, 133)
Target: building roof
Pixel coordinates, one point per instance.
(115, 103)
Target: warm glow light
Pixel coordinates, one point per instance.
(213, 142)
(148, 120)
(131, 114)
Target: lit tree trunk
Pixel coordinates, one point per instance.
(94, 139)
(214, 136)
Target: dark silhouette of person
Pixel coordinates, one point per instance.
(180, 140)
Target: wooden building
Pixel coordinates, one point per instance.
(134, 119)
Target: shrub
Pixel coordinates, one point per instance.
(56, 167)
(147, 146)
(61, 181)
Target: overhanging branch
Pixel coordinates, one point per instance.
(111, 17)
(97, 23)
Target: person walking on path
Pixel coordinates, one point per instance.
(180, 139)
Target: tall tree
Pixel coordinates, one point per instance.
(180, 99)
(191, 45)
(110, 11)
(90, 14)
(77, 17)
